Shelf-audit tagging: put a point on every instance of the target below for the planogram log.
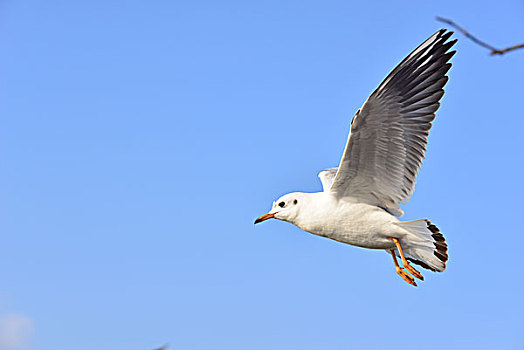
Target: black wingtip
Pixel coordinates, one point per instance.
(446, 36)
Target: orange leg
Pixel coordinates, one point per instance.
(406, 264)
(401, 272)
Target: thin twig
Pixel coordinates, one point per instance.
(503, 51)
(163, 347)
(494, 51)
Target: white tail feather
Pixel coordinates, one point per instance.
(424, 245)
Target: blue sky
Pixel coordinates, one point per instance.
(141, 139)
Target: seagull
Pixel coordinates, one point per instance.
(360, 201)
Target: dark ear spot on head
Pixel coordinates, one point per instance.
(295, 202)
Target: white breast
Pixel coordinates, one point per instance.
(357, 224)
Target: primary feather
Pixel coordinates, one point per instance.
(389, 133)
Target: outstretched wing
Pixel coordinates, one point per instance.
(389, 133)
(326, 177)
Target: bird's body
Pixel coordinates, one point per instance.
(361, 198)
(354, 223)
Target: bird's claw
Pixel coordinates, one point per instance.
(414, 272)
(407, 277)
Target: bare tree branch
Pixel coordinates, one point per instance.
(494, 51)
(163, 347)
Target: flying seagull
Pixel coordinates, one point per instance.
(361, 197)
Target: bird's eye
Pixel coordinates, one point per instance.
(295, 202)
(281, 204)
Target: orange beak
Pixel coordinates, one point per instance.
(264, 217)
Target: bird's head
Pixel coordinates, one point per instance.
(285, 208)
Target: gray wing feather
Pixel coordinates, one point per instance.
(389, 133)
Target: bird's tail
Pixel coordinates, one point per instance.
(424, 245)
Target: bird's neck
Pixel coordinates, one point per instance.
(316, 207)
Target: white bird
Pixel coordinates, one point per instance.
(387, 141)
